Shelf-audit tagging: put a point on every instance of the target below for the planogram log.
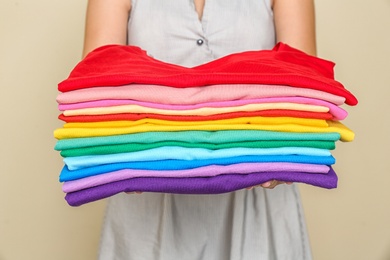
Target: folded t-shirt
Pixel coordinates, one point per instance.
(198, 185)
(134, 147)
(214, 137)
(193, 95)
(68, 175)
(203, 111)
(206, 171)
(283, 65)
(334, 126)
(337, 111)
(231, 121)
(138, 116)
(182, 153)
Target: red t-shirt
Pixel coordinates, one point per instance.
(115, 65)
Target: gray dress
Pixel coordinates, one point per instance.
(243, 225)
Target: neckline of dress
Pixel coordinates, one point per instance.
(199, 18)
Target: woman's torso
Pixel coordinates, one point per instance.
(225, 27)
(242, 225)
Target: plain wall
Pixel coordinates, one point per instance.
(41, 41)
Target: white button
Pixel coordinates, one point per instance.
(199, 42)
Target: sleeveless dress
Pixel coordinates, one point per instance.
(242, 225)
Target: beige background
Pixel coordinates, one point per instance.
(41, 40)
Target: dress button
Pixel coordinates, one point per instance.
(199, 42)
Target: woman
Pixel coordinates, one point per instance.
(260, 223)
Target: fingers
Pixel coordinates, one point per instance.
(134, 192)
(269, 184)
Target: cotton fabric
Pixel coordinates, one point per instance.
(138, 116)
(133, 147)
(69, 175)
(197, 185)
(213, 137)
(193, 95)
(206, 171)
(337, 111)
(345, 133)
(267, 67)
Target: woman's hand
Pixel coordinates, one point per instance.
(134, 192)
(269, 184)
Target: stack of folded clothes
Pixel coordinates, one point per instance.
(133, 123)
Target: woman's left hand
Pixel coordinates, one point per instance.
(269, 184)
